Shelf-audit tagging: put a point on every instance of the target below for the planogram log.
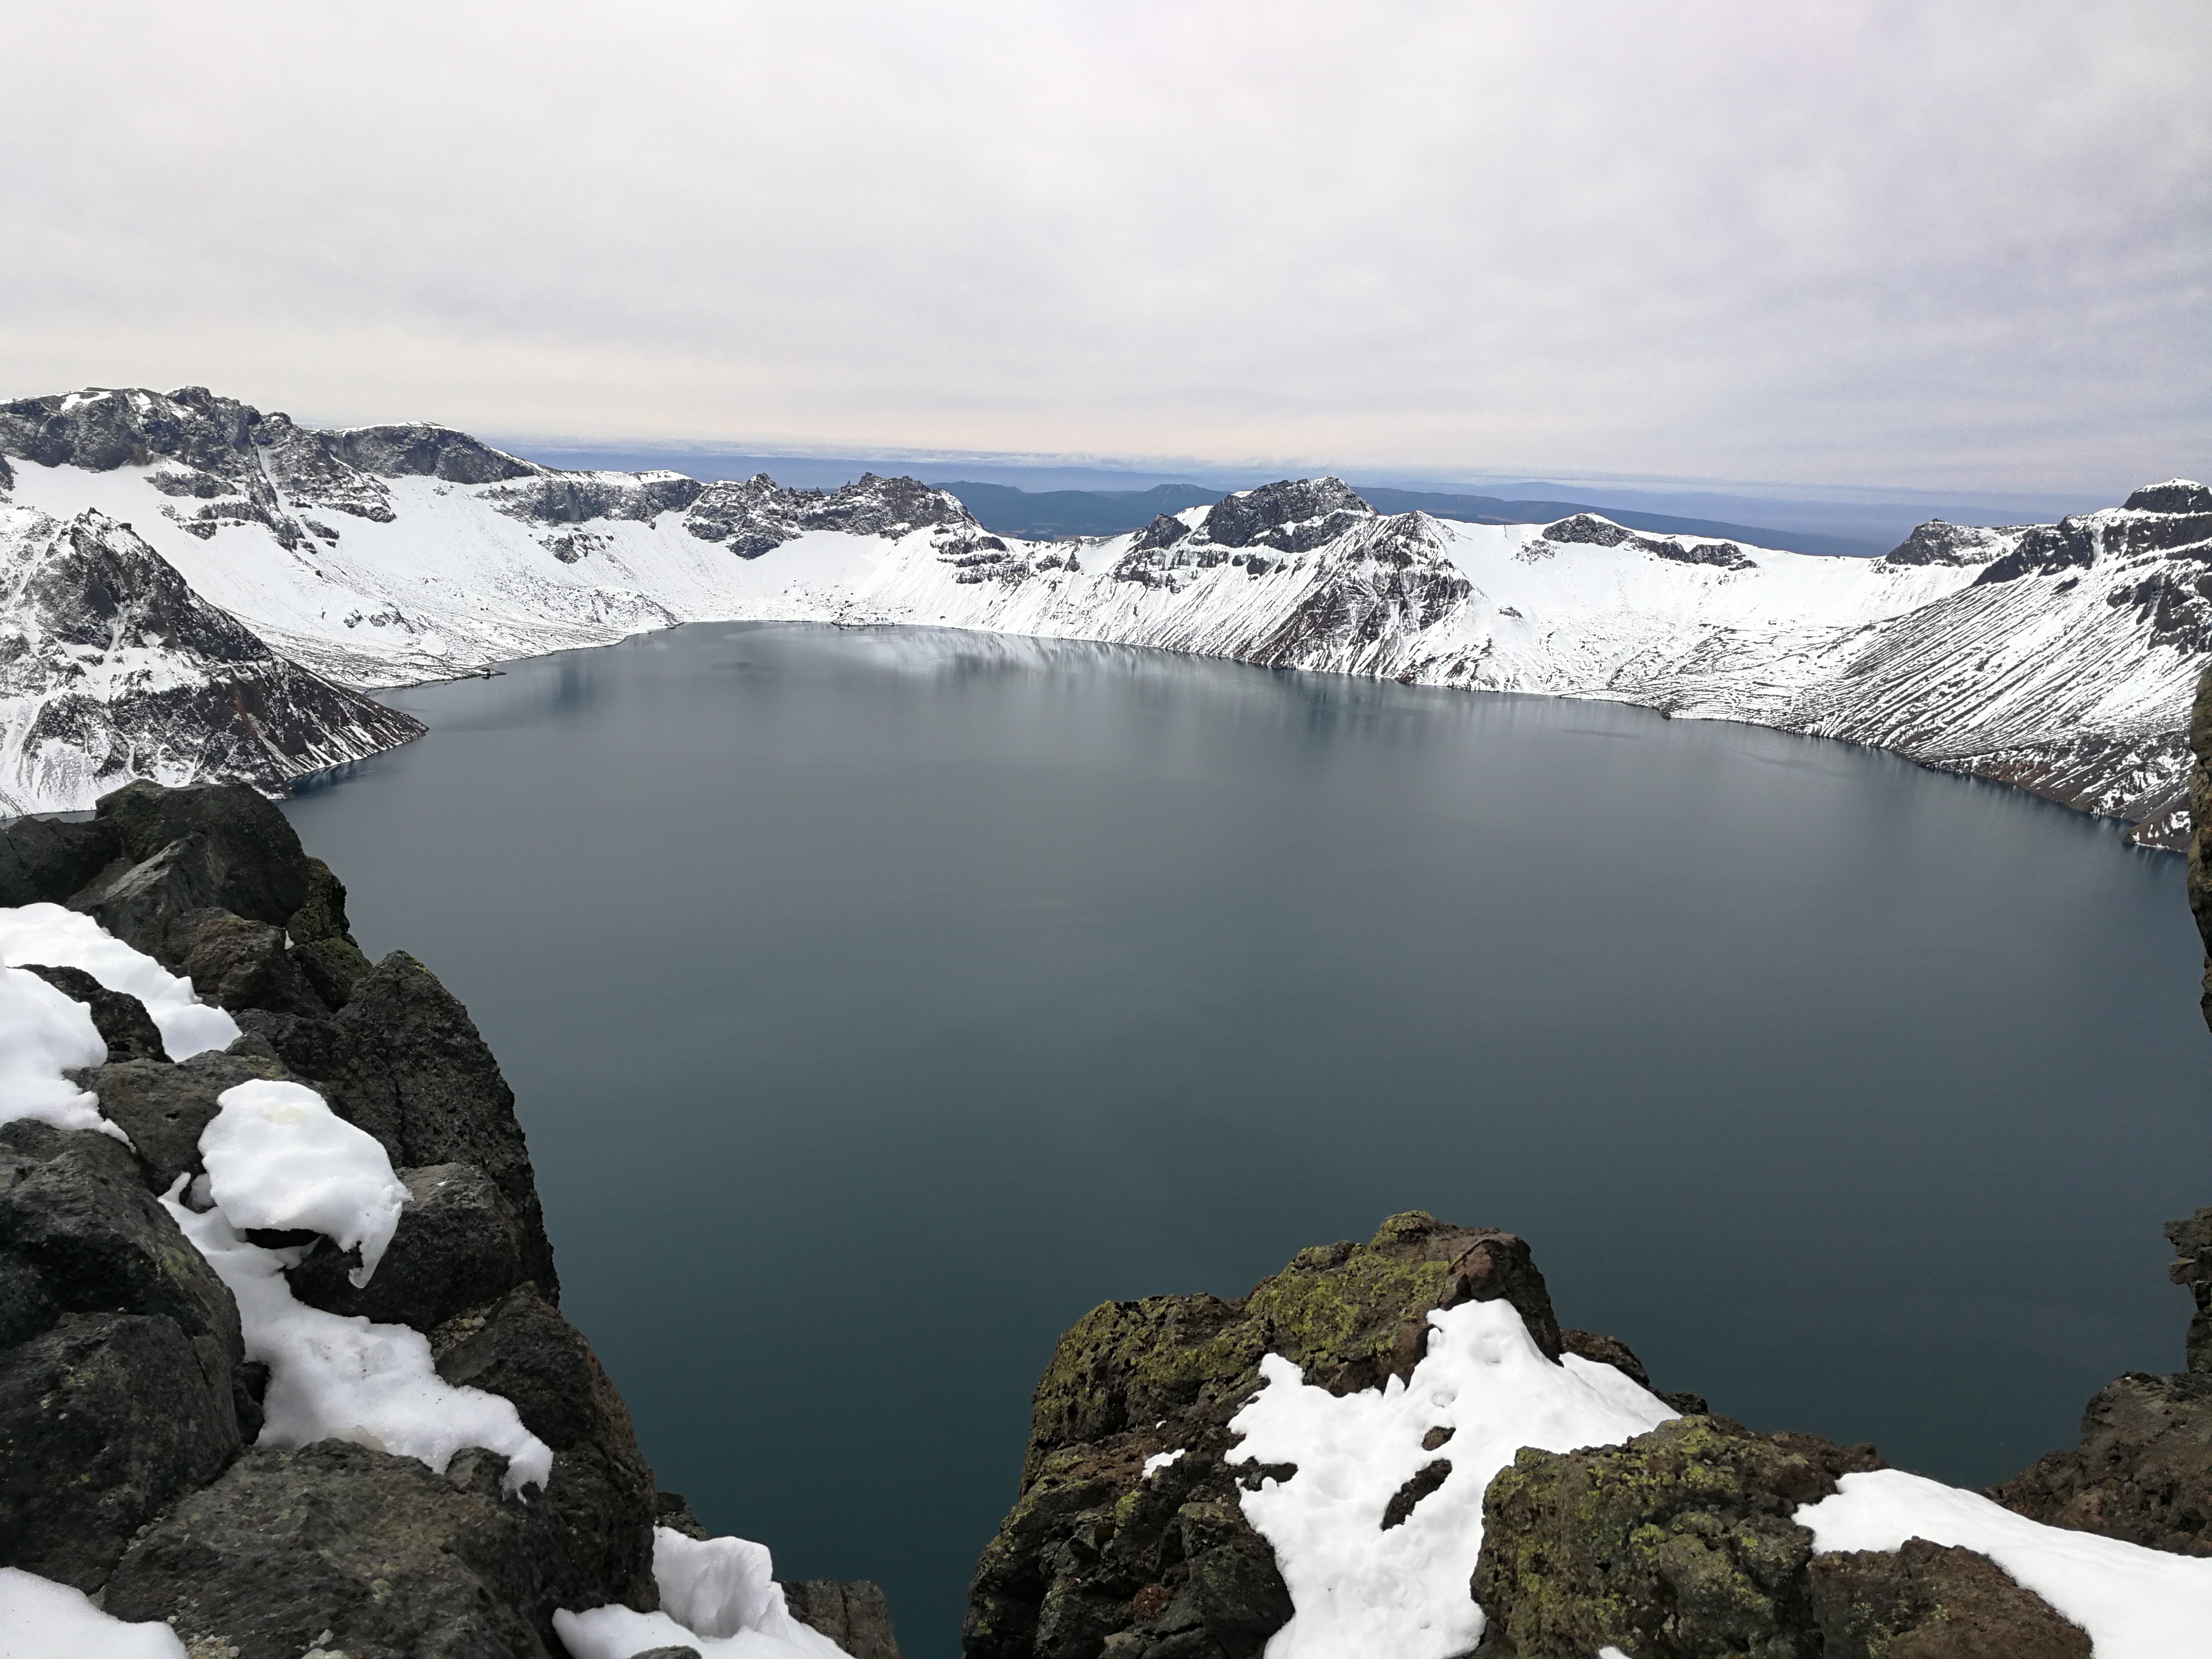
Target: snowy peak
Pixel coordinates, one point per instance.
(2174, 496)
(1292, 515)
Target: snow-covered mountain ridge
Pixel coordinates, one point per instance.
(2060, 658)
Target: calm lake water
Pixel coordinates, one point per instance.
(881, 1001)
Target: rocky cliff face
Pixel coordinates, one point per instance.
(111, 669)
(129, 1410)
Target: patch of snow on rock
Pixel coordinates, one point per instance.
(1159, 1461)
(41, 1619)
(278, 1156)
(718, 1595)
(57, 937)
(2136, 1603)
(42, 1033)
(333, 1377)
(1356, 1587)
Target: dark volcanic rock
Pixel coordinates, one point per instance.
(138, 902)
(856, 1616)
(1292, 515)
(403, 1061)
(105, 1421)
(339, 1548)
(456, 1248)
(322, 938)
(2143, 1473)
(1938, 542)
(594, 1520)
(1164, 531)
(260, 869)
(1169, 1565)
(673, 1510)
(423, 450)
(1606, 1351)
(1588, 529)
(118, 1397)
(163, 1107)
(237, 964)
(44, 861)
(2192, 1238)
(2045, 550)
(1675, 1546)
(1927, 1602)
(120, 1019)
(2176, 496)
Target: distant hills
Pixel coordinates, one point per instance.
(1043, 513)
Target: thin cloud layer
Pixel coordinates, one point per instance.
(1958, 246)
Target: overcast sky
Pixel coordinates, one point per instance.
(1960, 246)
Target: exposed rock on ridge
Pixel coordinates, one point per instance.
(111, 668)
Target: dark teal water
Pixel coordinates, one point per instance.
(880, 1001)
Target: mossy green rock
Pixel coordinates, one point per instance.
(1678, 1545)
(1098, 1558)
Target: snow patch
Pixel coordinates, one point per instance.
(58, 938)
(1356, 1588)
(278, 1156)
(41, 1619)
(1159, 1461)
(2136, 1603)
(717, 1595)
(333, 1377)
(43, 1032)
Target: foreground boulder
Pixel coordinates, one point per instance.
(1928, 1601)
(338, 1547)
(1680, 1542)
(120, 1355)
(855, 1615)
(1096, 1557)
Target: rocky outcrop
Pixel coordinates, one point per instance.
(1678, 1543)
(340, 1549)
(855, 1615)
(121, 1019)
(1590, 529)
(1928, 1601)
(124, 1396)
(756, 515)
(2192, 1238)
(2143, 1471)
(1097, 1555)
(119, 1349)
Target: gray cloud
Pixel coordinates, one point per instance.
(1952, 245)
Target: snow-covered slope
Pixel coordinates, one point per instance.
(2060, 658)
(111, 669)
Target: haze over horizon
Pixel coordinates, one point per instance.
(1957, 251)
